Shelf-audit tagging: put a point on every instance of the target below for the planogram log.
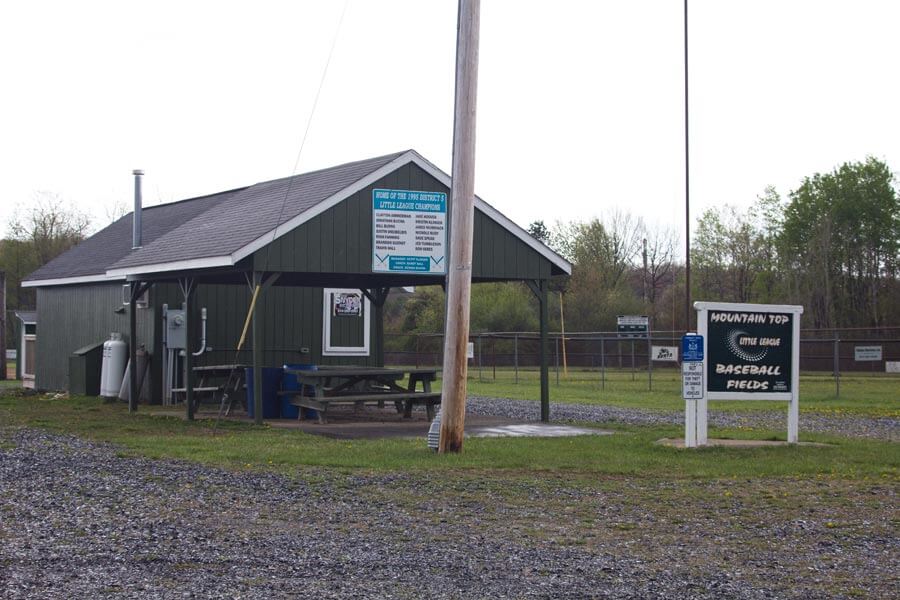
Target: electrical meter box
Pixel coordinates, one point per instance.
(176, 330)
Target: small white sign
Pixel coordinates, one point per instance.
(665, 353)
(470, 350)
(892, 366)
(633, 320)
(866, 353)
(692, 380)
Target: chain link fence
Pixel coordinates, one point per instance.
(823, 352)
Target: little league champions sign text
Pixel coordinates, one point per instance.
(409, 232)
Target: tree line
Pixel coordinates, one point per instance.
(831, 246)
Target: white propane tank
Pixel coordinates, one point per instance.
(115, 355)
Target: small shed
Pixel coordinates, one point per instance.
(324, 247)
(26, 337)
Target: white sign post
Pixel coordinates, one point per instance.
(692, 392)
(752, 353)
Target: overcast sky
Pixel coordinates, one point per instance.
(580, 104)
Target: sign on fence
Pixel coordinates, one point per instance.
(892, 366)
(633, 326)
(665, 353)
(867, 353)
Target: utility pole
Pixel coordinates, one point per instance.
(687, 186)
(3, 325)
(462, 217)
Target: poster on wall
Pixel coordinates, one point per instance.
(409, 232)
(749, 351)
(346, 304)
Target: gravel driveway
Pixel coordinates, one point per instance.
(82, 520)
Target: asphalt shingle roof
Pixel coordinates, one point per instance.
(226, 229)
(214, 225)
(95, 254)
(220, 224)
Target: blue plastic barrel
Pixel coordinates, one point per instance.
(290, 383)
(271, 383)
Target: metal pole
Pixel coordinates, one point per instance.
(649, 364)
(632, 360)
(687, 186)
(602, 365)
(480, 362)
(557, 361)
(462, 198)
(837, 368)
(516, 351)
(494, 356)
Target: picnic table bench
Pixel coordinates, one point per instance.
(216, 380)
(326, 386)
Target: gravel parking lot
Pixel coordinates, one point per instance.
(80, 520)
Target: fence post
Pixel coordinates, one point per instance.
(632, 360)
(494, 355)
(602, 365)
(837, 367)
(649, 364)
(557, 361)
(480, 346)
(516, 354)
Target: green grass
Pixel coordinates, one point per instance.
(630, 451)
(872, 395)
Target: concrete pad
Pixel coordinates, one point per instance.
(531, 430)
(368, 422)
(679, 443)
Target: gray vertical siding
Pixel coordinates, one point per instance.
(74, 316)
(337, 241)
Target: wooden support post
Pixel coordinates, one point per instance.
(257, 335)
(545, 366)
(187, 287)
(378, 296)
(539, 289)
(462, 197)
(132, 347)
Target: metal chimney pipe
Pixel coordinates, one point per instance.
(136, 218)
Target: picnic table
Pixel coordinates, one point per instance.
(325, 386)
(217, 380)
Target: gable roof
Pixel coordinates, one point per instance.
(216, 230)
(89, 260)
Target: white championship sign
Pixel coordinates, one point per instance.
(409, 232)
